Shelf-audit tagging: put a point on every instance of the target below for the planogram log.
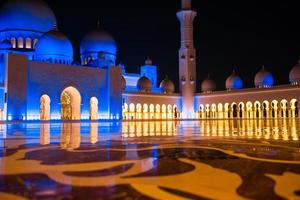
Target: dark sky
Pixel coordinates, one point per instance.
(241, 35)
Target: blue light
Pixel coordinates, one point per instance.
(98, 41)
(237, 83)
(54, 46)
(34, 16)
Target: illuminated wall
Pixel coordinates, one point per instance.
(29, 81)
(280, 101)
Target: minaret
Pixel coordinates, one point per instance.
(187, 59)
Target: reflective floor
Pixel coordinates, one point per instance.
(213, 159)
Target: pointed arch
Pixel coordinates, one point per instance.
(45, 107)
(70, 104)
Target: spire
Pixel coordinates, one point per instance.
(55, 26)
(263, 67)
(98, 23)
(186, 4)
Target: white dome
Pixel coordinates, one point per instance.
(295, 74)
(167, 86)
(54, 45)
(144, 84)
(234, 82)
(264, 79)
(208, 85)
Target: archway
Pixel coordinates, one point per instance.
(202, 111)
(70, 104)
(266, 109)
(294, 108)
(45, 107)
(257, 109)
(152, 111)
(139, 111)
(125, 111)
(213, 111)
(241, 109)
(175, 111)
(94, 108)
(274, 106)
(284, 108)
(157, 111)
(207, 111)
(170, 111)
(234, 110)
(249, 109)
(164, 111)
(145, 111)
(132, 111)
(220, 111)
(226, 108)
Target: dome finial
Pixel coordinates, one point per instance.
(98, 23)
(55, 26)
(148, 61)
(263, 67)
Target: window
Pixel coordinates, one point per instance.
(28, 43)
(13, 43)
(20, 43)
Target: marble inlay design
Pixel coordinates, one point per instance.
(179, 165)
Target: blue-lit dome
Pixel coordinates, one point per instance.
(98, 41)
(5, 45)
(27, 15)
(295, 75)
(234, 82)
(54, 47)
(264, 79)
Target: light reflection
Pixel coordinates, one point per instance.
(285, 129)
(71, 135)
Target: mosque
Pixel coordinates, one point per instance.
(39, 79)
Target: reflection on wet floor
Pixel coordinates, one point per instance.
(251, 159)
(276, 129)
(71, 135)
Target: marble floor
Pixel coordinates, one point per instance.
(213, 159)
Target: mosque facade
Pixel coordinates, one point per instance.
(39, 79)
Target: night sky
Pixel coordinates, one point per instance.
(241, 35)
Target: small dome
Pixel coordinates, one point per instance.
(148, 61)
(5, 45)
(167, 86)
(98, 41)
(264, 79)
(144, 84)
(28, 15)
(295, 74)
(208, 85)
(54, 45)
(123, 83)
(234, 82)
